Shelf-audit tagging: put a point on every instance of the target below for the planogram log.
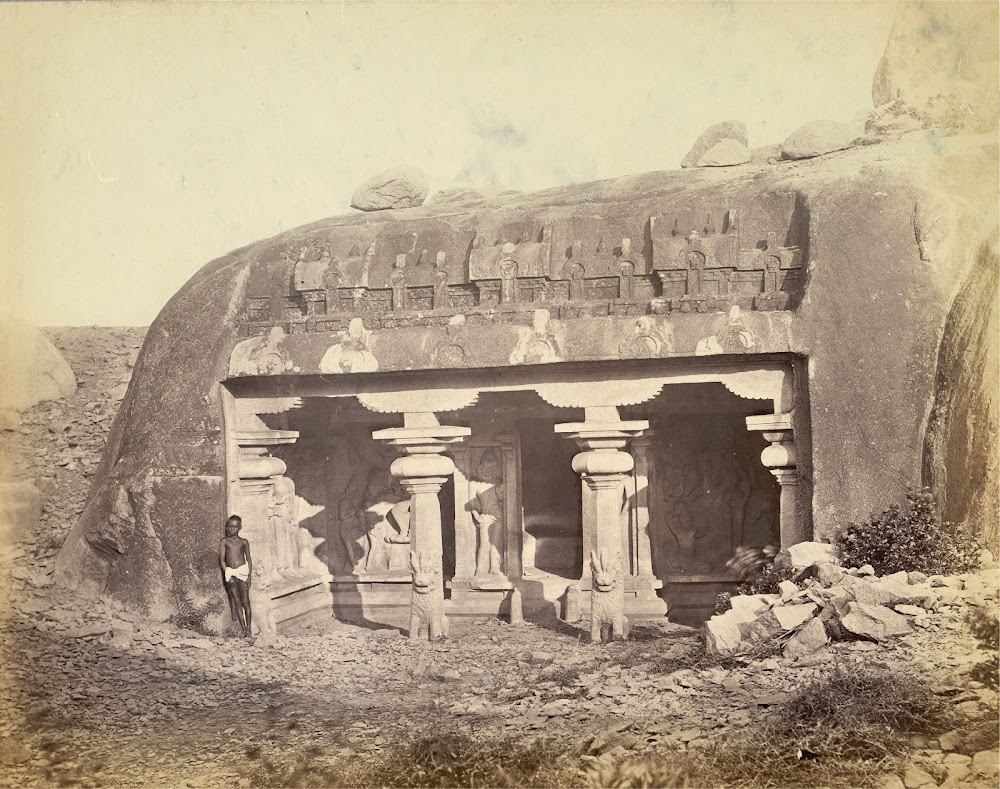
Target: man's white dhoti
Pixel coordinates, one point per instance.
(242, 572)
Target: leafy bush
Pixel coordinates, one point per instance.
(910, 539)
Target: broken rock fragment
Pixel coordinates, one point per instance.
(399, 187)
(873, 622)
(817, 138)
(729, 130)
(725, 153)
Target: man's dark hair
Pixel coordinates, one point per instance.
(234, 520)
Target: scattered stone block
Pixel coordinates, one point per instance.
(817, 138)
(807, 641)
(787, 590)
(866, 569)
(806, 554)
(951, 741)
(400, 187)
(915, 778)
(791, 616)
(728, 130)
(828, 574)
(725, 153)
(873, 622)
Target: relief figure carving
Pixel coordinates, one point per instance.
(487, 508)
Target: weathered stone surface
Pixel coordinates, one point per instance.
(806, 554)
(728, 130)
(829, 574)
(986, 763)
(31, 369)
(873, 622)
(915, 778)
(791, 616)
(961, 463)
(817, 138)
(877, 367)
(400, 187)
(20, 510)
(766, 154)
(940, 63)
(807, 641)
(725, 153)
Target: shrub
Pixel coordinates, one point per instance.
(909, 539)
(453, 759)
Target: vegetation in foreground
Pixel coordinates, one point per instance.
(846, 729)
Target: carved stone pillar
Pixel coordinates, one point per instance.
(603, 466)
(422, 470)
(779, 459)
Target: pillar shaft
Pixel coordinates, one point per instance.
(422, 470)
(779, 458)
(603, 467)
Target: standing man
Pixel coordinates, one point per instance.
(236, 565)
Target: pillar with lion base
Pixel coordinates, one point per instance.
(422, 470)
(604, 468)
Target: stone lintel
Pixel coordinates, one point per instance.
(265, 438)
(770, 423)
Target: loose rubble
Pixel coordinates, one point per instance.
(96, 695)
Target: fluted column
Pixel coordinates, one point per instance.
(422, 470)
(779, 459)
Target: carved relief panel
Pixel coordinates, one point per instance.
(710, 494)
(359, 508)
(487, 527)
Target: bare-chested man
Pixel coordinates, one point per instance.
(236, 566)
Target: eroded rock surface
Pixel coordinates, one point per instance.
(31, 369)
(728, 130)
(940, 65)
(399, 187)
(817, 138)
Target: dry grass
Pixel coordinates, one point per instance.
(845, 730)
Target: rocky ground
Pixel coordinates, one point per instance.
(92, 696)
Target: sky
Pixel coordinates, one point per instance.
(142, 140)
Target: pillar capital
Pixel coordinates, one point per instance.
(603, 435)
(423, 469)
(776, 428)
(423, 436)
(779, 458)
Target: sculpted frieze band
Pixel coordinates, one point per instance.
(651, 263)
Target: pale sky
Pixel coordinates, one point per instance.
(142, 140)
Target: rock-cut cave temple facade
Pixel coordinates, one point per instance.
(646, 373)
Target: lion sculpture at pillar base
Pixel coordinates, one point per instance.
(427, 619)
(607, 601)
